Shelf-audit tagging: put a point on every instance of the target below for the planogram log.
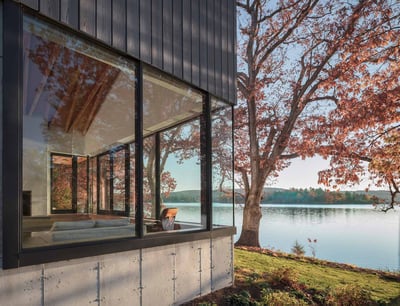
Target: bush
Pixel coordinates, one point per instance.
(280, 298)
(241, 299)
(298, 249)
(283, 278)
(349, 295)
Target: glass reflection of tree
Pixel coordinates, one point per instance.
(222, 150)
(182, 142)
(62, 186)
(65, 87)
(71, 88)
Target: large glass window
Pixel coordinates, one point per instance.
(222, 163)
(78, 106)
(171, 157)
(79, 150)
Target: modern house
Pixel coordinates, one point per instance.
(107, 107)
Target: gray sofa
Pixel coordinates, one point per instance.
(91, 229)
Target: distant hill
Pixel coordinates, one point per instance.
(289, 196)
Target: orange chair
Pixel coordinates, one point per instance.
(168, 218)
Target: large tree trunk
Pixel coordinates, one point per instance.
(251, 221)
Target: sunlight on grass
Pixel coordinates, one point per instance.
(314, 275)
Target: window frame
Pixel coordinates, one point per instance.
(74, 182)
(14, 255)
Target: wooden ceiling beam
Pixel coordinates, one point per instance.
(53, 57)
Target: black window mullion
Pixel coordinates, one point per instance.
(127, 179)
(157, 175)
(98, 182)
(111, 183)
(139, 149)
(88, 189)
(206, 164)
(74, 184)
(12, 134)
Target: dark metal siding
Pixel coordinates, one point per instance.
(192, 39)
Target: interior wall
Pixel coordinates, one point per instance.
(38, 143)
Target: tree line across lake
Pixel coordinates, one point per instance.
(287, 196)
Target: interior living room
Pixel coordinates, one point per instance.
(79, 140)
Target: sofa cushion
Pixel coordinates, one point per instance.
(72, 225)
(111, 222)
(94, 233)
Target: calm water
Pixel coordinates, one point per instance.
(354, 234)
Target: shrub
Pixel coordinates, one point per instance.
(280, 298)
(298, 249)
(349, 295)
(241, 299)
(283, 278)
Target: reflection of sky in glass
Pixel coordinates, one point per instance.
(185, 174)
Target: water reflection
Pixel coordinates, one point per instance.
(356, 234)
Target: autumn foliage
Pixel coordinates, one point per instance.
(316, 77)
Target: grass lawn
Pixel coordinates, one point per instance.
(307, 280)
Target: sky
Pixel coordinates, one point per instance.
(304, 174)
(300, 174)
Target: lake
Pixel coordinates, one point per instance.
(353, 234)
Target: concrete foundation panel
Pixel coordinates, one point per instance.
(188, 272)
(158, 266)
(165, 275)
(21, 287)
(120, 279)
(222, 263)
(72, 283)
(205, 250)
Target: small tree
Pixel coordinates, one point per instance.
(298, 249)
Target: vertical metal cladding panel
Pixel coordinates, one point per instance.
(218, 47)
(119, 24)
(69, 13)
(133, 27)
(103, 21)
(167, 36)
(210, 45)
(87, 14)
(195, 6)
(177, 38)
(231, 12)
(145, 31)
(192, 39)
(187, 40)
(50, 8)
(31, 3)
(203, 45)
(156, 33)
(224, 49)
